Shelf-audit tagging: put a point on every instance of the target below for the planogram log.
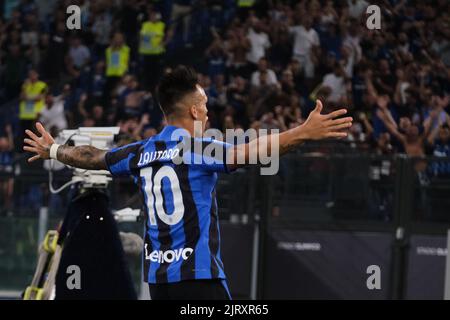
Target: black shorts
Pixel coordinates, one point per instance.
(201, 289)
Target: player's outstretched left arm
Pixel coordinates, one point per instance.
(83, 157)
(318, 126)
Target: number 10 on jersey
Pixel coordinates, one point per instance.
(154, 194)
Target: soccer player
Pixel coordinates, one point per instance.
(182, 242)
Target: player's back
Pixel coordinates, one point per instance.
(177, 184)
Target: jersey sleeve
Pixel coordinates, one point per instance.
(119, 160)
(210, 155)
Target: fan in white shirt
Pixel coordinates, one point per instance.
(263, 68)
(259, 42)
(335, 81)
(53, 114)
(305, 39)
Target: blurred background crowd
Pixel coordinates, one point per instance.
(262, 63)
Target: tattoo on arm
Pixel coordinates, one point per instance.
(287, 148)
(83, 157)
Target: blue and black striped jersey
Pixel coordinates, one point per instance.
(182, 238)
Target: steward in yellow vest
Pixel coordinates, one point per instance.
(153, 38)
(117, 61)
(117, 57)
(246, 3)
(32, 97)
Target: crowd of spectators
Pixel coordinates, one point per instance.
(263, 65)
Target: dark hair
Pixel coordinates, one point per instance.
(174, 86)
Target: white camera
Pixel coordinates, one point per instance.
(99, 137)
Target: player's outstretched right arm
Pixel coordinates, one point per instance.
(318, 126)
(83, 157)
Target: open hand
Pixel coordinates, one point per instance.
(322, 126)
(38, 145)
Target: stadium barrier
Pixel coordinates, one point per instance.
(309, 232)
